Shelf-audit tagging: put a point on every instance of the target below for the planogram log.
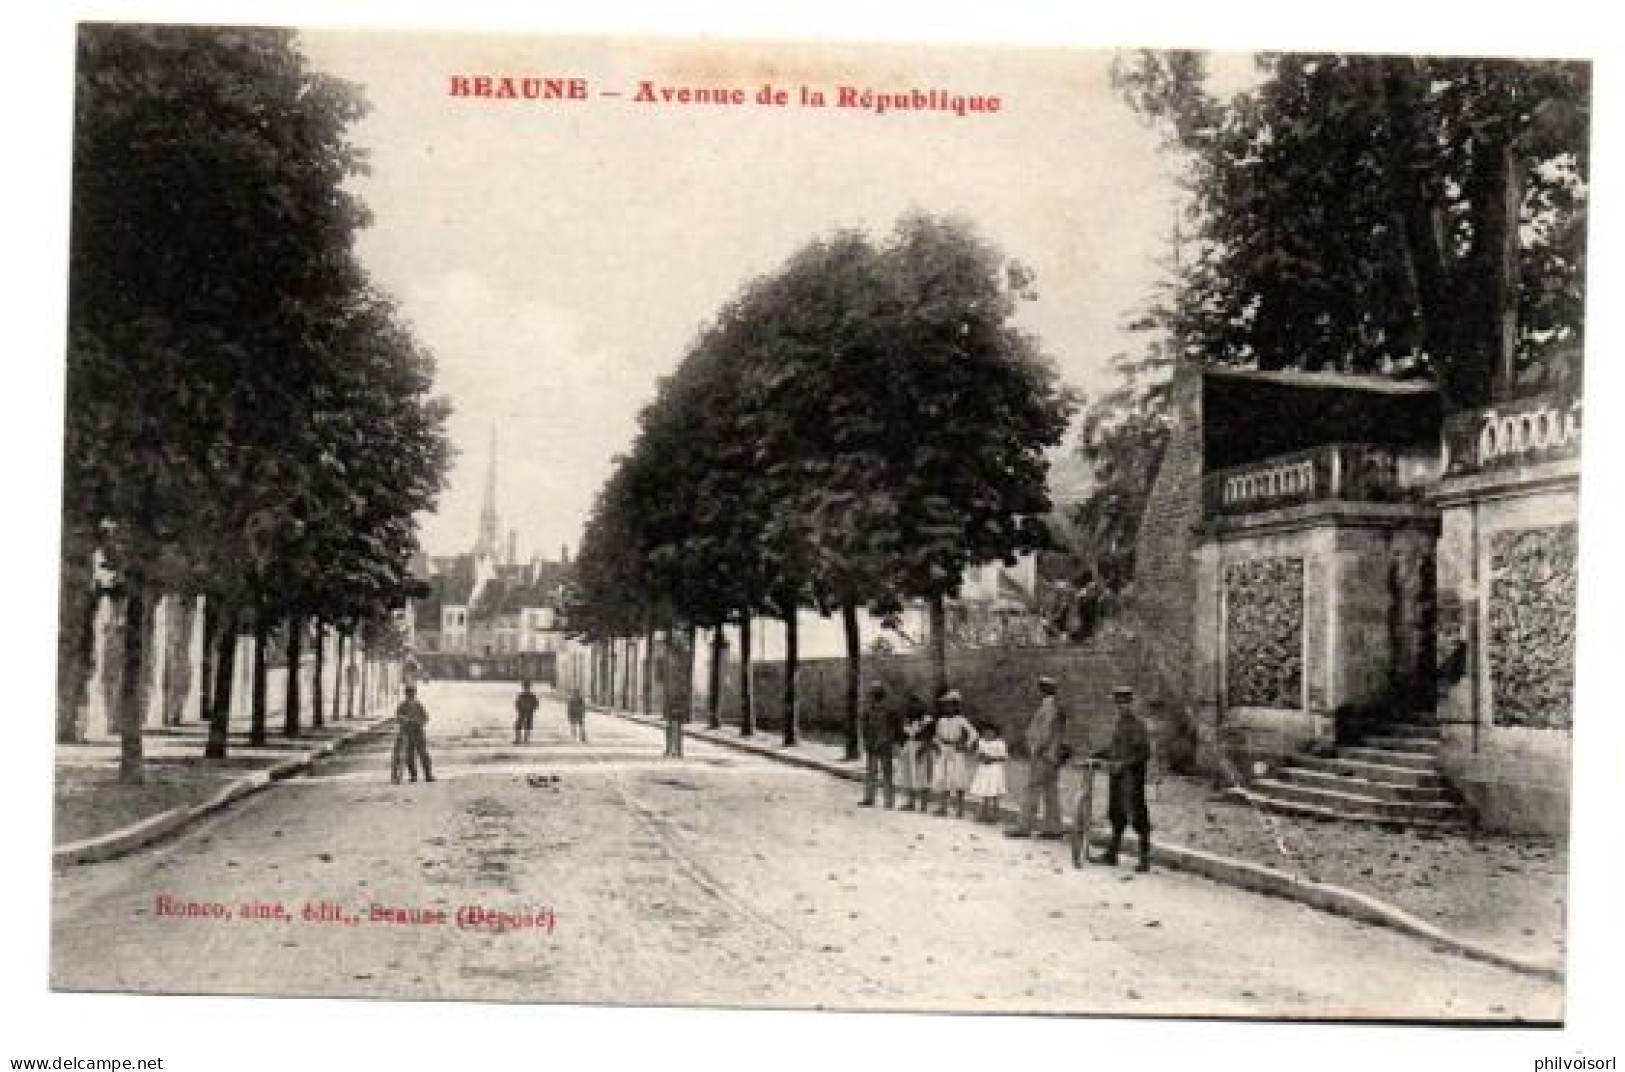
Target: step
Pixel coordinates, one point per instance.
(1346, 783)
(1391, 757)
(1376, 772)
(1417, 745)
(1315, 811)
(1412, 730)
(1352, 803)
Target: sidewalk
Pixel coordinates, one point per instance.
(97, 818)
(1493, 898)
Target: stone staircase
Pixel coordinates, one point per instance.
(1393, 779)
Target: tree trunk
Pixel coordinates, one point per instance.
(1504, 293)
(338, 673)
(939, 644)
(76, 636)
(631, 672)
(791, 663)
(151, 658)
(610, 680)
(713, 691)
(854, 671)
(225, 667)
(205, 685)
(1426, 259)
(132, 696)
(747, 694)
(648, 672)
(623, 685)
(316, 718)
(256, 696)
(290, 706)
(366, 672)
(685, 684)
(350, 674)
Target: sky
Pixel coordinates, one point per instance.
(558, 257)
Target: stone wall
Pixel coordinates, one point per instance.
(1310, 609)
(1160, 614)
(1507, 587)
(998, 685)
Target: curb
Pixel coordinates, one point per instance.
(1255, 878)
(137, 835)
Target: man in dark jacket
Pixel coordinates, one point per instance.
(412, 734)
(881, 726)
(524, 706)
(1126, 760)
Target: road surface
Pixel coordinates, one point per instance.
(610, 874)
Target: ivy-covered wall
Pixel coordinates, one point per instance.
(1531, 626)
(1263, 609)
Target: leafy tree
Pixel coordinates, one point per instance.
(1354, 210)
(1357, 213)
(212, 266)
(973, 406)
(856, 428)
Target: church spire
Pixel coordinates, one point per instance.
(488, 542)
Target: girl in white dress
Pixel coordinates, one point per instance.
(989, 785)
(916, 757)
(956, 742)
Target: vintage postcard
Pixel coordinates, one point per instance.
(820, 526)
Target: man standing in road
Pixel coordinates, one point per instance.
(1046, 743)
(412, 719)
(882, 730)
(1126, 761)
(524, 706)
(576, 710)
(676, 715)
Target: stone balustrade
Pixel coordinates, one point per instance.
(1347, 471)
(1513, 432)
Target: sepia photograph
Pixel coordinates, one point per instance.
(810, 525)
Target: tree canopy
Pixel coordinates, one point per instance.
(247, 417)
(1375, 214)
(854, 429)
(1353, 211)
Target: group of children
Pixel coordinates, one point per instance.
(946, 757)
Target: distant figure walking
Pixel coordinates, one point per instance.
(916, 754)
(412, 739)
(882, 731)
(576, 710)
(1127, 760)
(524, 706)
(956, 741)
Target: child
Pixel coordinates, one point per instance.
(988, 785)
(916, 757)
(956, 741)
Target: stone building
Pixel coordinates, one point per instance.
(486, 613)
(1355, 607)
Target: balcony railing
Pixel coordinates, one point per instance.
(1515, 432)
(1353, 472)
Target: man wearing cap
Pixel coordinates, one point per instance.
(1045, 742)
(1126, 760)
(882, 730)
(412, 720)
